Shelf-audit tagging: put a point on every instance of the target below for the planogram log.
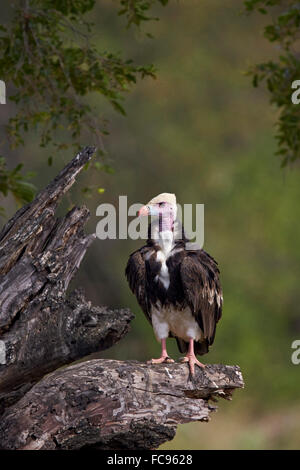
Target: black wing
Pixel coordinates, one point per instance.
(203, 292)
(136, 276)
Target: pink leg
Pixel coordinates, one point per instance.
(191, 358)
(164, 355)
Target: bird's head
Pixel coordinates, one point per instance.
(163, 205)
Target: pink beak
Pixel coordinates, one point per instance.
(143, 211)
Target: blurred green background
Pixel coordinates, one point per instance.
(201, 131)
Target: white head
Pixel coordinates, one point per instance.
(164, 206)
(163, 197)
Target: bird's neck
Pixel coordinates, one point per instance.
(163, 231)
(166, 241)
(166, 233)
(166, 223)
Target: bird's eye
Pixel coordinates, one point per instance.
(161, 204)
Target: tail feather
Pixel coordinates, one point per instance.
(199, 348)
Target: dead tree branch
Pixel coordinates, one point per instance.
(106, 404)
(40, 329)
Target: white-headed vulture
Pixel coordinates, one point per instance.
(177, 288)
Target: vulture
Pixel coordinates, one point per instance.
(177, 288)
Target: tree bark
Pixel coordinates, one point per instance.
(40, 329)
(57, 333)
(106, 404)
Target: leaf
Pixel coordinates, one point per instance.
(17, 169)
(118, 107)
(23, 191)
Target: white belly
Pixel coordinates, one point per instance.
(179, 322)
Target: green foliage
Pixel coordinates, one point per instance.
(278, 75)
(46, 54)
(137, 11)
(15, 183)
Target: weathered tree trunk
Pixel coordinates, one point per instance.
(99, 404)
(39, 254)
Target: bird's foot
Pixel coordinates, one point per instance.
(161, 360)
(192, 360)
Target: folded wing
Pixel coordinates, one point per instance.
(202, 290)
(136, 276)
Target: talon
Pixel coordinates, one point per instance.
(161, 360)
(169, 360)
(164, 355)
(192, 360)
(184, 359)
